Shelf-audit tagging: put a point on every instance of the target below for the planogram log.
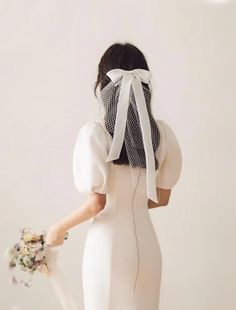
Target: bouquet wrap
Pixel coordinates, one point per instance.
(31, 254)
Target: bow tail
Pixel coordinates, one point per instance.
(121, 117)
(147, 140)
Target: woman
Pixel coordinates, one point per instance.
(127, 162)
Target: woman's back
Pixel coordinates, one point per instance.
(122, 258)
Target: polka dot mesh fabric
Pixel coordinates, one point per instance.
(133, 147)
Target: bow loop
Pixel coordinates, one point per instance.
(143, 75)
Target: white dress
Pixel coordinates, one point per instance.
(122, 260)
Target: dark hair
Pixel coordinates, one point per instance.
(127, 57)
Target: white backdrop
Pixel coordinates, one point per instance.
(49, 54)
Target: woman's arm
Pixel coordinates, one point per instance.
(92, 206)
(163, 197)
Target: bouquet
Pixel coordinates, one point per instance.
(30, 254)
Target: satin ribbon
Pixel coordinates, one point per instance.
(134, 78)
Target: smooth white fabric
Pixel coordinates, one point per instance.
(89, 168)
(122, 261)
(171, 158)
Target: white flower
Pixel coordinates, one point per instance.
(27, 261)
(9, 253)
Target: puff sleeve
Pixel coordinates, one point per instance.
(171, 166)
(90, 171)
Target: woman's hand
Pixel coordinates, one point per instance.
(55, 235)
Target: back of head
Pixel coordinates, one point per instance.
(123, 56)
(127, 57)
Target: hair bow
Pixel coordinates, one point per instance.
(134, 78)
